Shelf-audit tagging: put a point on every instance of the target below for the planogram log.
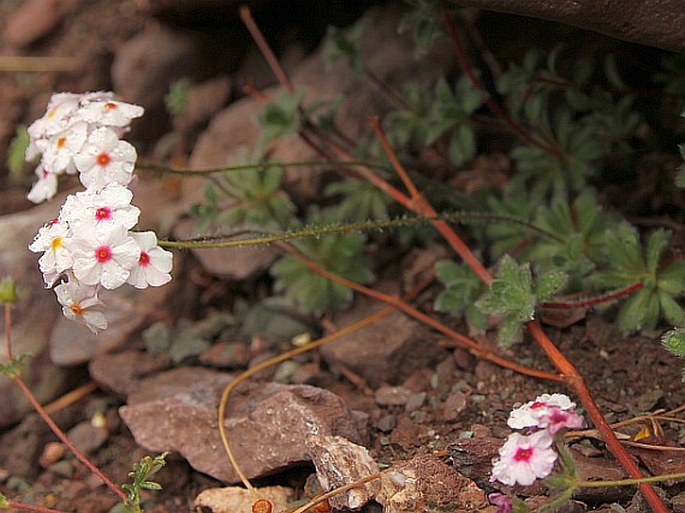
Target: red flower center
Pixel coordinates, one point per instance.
(103, 213)
(103, 254)
(110, 105)
(61, 142)
(144, 259)
(523, 454)
(538, 404)
(103, 159)
(76, 309)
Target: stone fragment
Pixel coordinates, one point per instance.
(340, 462)
(267, 424)
(415, 402)
(391, 396)
(87, 437)
(454, 406)
(21, 447)
(233, 499)
(35, 19)
(121, 373)
(203, 101)
(426, 484)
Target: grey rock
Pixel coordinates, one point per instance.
(340, 462)
(454, 405)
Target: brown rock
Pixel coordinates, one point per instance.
(87, 437)
(649, 22)
(454, 406)
(121, 373)
(425, 483)
(387, 351)
(596, 469)
(233, 264)
(34, 20)
(267, 424)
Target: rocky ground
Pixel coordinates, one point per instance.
(395, 388)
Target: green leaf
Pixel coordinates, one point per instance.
(345, 44)
(8, 291)
(13, 368)
(17, 150)
(674, 341)
(549, 283)
(670, 308)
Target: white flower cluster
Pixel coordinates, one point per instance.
(90, 242)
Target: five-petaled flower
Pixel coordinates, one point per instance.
(524, 459)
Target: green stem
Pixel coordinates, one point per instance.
(317, 231)
(160, 168)
(630, 482)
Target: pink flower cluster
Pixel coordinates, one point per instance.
(525, 458)
(90, 242)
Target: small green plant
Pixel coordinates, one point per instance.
(513, 296)
(341, 254)
(628, 262)
(140, 480)
(462, 290)
(177, 97)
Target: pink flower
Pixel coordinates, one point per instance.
(532, 413)
(100, 209)
(502, 502)
(555, 419)
(45, 188)
(154, 263)
(80, 303)
(523, 459)
(105, 159)
(105, 258)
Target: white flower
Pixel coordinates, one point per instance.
(53, 239)
(110, 112)
(531, 413)
(60, 150)
(523, 459)
(80, 303)
(154, 263)
(102, 209)
(105, 159)
(105, 257)
(60, 113)
(45, 188)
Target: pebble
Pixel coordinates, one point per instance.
(454, 406)
(415, 402)
(386, 423)
(392, 396)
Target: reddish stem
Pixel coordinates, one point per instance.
(565, 305)
(31, 507)
(63, 437)
(517, 129)
(246, 16)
